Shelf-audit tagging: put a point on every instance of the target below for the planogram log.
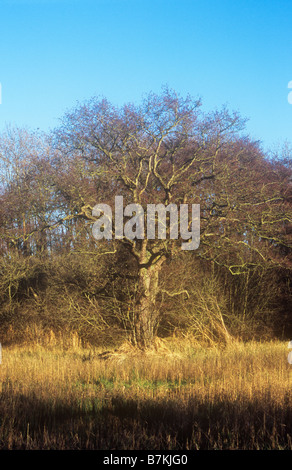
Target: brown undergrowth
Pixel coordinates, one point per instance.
(179, 395)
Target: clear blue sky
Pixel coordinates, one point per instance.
(54, 53)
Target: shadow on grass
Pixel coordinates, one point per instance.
(117, 422)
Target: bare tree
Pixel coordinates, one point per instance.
(166, 151)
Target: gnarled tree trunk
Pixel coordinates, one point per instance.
(146, 314)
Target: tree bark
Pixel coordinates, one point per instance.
(146, 313)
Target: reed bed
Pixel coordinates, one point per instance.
(178, 396)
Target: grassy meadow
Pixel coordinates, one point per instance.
(179, 396)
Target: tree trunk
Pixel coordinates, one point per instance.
(146, 314)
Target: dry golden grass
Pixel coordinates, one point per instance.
(178, 396)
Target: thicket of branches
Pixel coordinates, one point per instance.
(54, 276)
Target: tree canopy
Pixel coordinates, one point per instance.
(164, 151)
